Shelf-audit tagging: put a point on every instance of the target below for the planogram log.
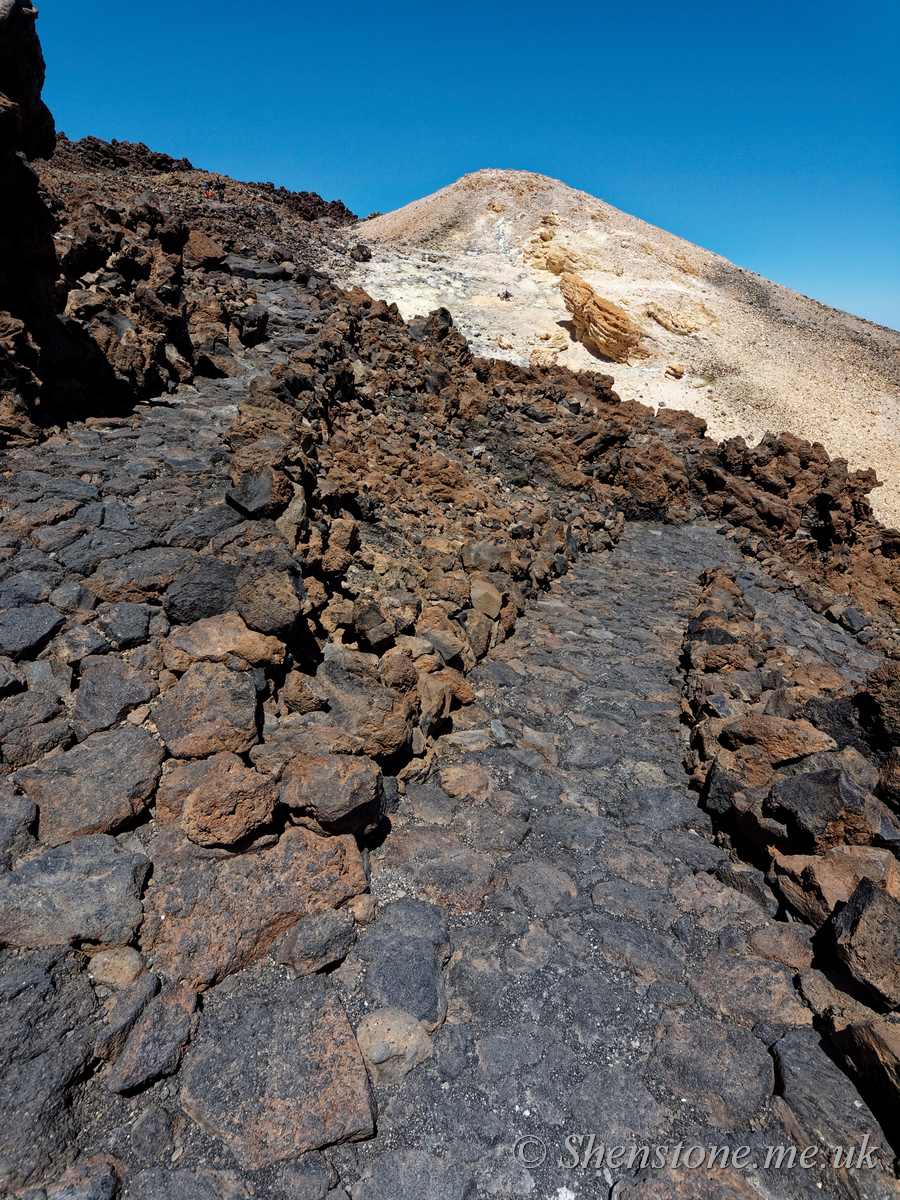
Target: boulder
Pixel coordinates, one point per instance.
(97, 787)
(867, 937)
(826, 808)
(110, 688)
(344, 793)
(212, 913)
(599, 323)
(320, 940)
(275, 1071)
(86, 891)
(216, 800)
(45, 1048)
(209, 710)
(218, 639)
(814, 884)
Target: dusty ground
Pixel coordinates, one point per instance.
(760, 356)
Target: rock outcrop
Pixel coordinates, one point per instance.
(599, 323)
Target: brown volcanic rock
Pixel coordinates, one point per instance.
(217, 800)
(814, 884)
(210, 913)
(343, 792)
(276, 1071)
(210, 709)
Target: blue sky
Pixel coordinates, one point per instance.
(769, 133)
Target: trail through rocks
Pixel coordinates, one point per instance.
(622, 982)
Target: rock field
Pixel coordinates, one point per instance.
(423, 776)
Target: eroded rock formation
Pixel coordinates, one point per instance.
(599, 323)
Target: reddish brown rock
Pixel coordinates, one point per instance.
(785, 943)
(217, 800)
(780, 740)
(216, 639)
(210, 709)
(211, 913)
(94, 788)
(813, 884)
(275, 1071)
(380, 718)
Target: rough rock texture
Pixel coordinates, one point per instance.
(600, 324)
(350, 681)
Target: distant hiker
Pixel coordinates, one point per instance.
(220, 190)
(209, 188)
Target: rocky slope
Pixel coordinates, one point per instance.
(399, 747)
(743, 353)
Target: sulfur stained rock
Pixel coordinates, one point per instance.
(599, 323)
(867, 937)
(211, 913)
(216, 800)
(96, 787)
(156, 1043)
(813, 884)
(393, 1043)
(275, 1071)
(210, 709)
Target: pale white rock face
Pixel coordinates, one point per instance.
(755, 356)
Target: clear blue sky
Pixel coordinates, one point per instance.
(767, 132)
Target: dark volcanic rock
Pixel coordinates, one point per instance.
(45, 1048)
(31, 724)
(23, 631)
(87, 891)
(275, 1071)
(867, 932)
(94, 788)
(207, 591)
(156, 1043)
(108, 691)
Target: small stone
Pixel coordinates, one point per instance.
(116, 968)
(321, 939)
(485, 598)
(125, 624)
(393, 1043)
